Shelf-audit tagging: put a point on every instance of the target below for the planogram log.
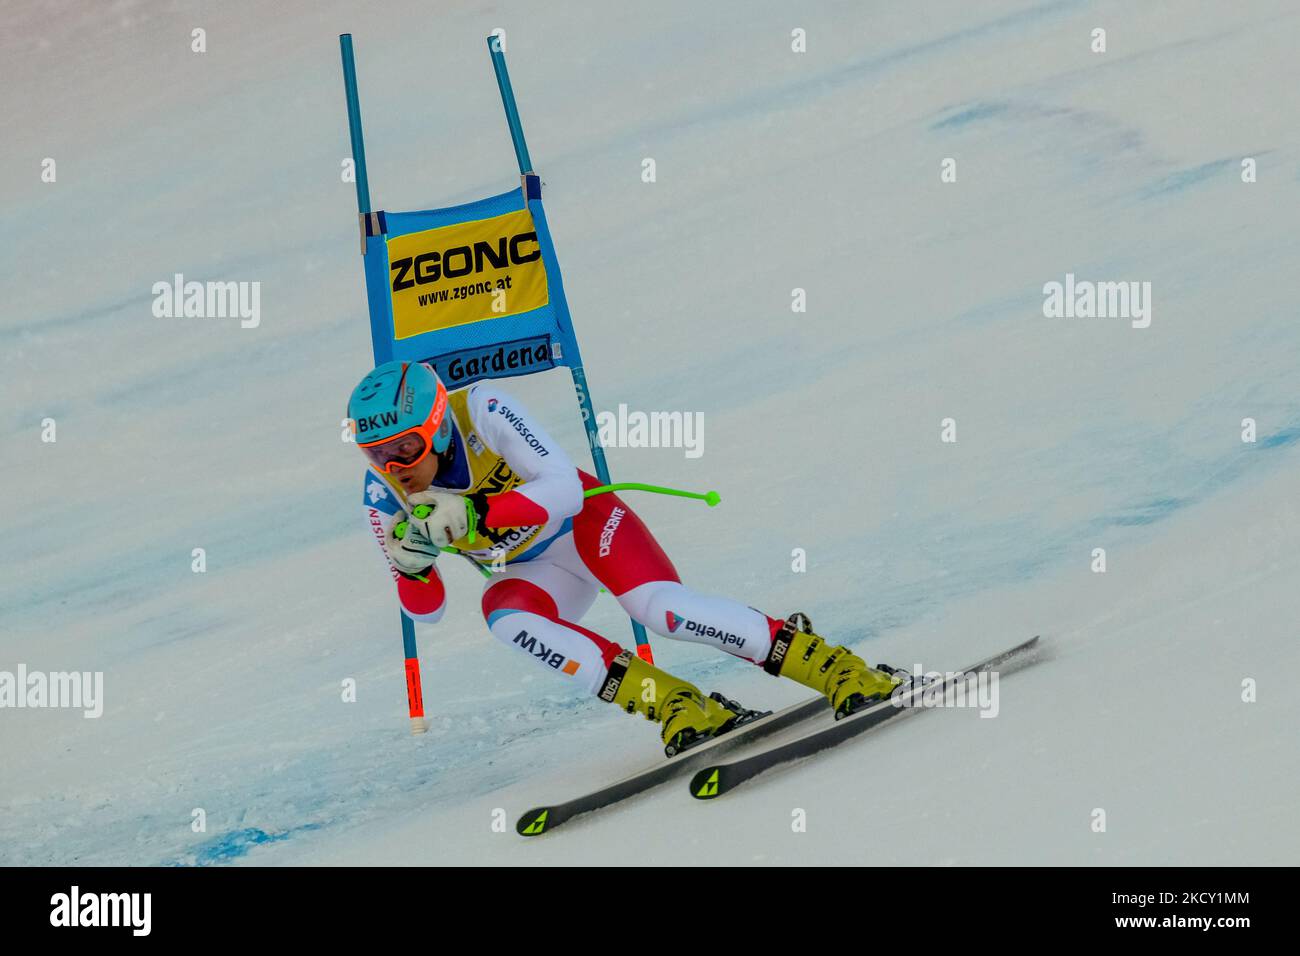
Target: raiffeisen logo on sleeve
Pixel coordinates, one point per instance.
(465, 273)
(74, 909)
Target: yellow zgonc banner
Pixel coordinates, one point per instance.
(469, 272)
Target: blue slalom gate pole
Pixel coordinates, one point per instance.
(508, 101)
(414, 684)
(354, 122)
(576, 371)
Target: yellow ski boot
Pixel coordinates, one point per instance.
(845, 678)
(688, 717)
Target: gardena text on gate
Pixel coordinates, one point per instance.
(465, 273)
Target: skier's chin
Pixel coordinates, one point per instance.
(411, 484)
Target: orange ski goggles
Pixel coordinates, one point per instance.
(408, 448)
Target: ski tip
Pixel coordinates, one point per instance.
(534, 822)
(704, 785)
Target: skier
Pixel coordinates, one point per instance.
(477, 474)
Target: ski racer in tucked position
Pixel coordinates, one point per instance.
(474, 472)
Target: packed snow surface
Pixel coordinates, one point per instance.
(1166, 693)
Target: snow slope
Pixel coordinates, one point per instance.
(775, 171)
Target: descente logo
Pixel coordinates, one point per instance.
(460, 261)
(607, 532)
(103, 909)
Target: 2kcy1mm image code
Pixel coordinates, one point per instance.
(1169, 899)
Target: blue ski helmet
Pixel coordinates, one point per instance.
(400, 413)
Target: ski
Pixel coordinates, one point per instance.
(544, 819)
(717, 779)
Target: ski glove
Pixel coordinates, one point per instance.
(408, 547)
(441, 517)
